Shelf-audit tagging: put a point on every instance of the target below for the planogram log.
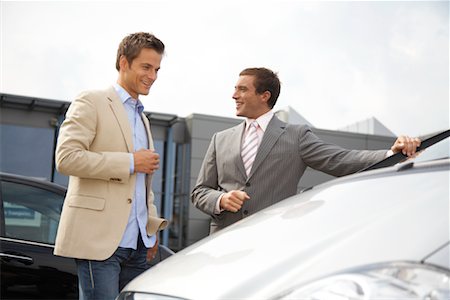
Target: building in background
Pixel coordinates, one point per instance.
(29, 129)
(368, 126)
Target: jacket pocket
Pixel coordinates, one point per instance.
(88, 202)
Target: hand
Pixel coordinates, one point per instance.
(407, 145)
(151, 252)
(146, 161)
(233, 200)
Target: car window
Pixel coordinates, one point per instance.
(30, 213)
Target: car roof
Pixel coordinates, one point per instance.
(34, 181)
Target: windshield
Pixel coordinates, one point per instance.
(436, 151)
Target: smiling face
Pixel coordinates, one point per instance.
(249, 103)
(138, 76)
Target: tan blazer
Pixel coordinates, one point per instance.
(94, 146)
(285, 152)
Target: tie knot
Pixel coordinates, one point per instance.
(254, 124)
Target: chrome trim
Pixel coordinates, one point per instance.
(11, 256)
(26, 242)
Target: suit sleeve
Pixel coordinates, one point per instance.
(205, 193)
(74, 156)
(332, 159)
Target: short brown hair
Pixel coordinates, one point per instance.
(132, 45)
(265, 80)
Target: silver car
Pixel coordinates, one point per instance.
(378, 234)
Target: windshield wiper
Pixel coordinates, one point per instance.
(398, 157)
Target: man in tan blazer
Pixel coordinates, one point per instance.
(105, 145)
(233, 184)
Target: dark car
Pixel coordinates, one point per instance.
(30, 210)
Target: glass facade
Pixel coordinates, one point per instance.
(180, 206)
(157, 181)
(27, 150)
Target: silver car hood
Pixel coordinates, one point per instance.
(367, 220)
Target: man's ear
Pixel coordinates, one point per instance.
(123, 62)
(266, 96)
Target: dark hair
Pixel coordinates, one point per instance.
(132, 45)
(265, 80)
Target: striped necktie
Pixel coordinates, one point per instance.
(250, 147)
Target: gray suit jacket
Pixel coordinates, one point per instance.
(283, 155)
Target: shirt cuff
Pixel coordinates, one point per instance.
(389, 153)
(217, 209)
(131, 163)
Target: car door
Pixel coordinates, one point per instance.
(30, 211)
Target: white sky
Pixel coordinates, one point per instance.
(339, 62)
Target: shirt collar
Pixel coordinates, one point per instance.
(127, 99)
(263, 120)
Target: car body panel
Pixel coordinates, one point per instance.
(314, 234)
(45, 275)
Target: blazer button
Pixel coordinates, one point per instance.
(245, 212)
(247, 184)
(129, 200)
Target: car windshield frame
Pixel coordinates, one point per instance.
(399, 157)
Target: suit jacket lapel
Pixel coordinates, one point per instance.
(236, 138)
(273, 131)
(121, 116)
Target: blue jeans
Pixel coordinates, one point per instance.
(104, 279)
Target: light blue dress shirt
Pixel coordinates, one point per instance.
(138, 216)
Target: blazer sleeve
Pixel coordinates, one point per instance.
(332, 159)
(74, 155)
(205, 193)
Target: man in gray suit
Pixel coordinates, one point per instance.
(233, 184)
